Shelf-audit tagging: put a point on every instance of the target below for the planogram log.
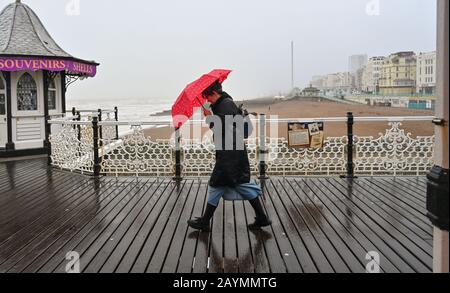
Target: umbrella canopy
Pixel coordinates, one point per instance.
(191, 97)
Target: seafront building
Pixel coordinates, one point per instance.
(426, 73)
(356, 62)
(398, 74)
(337, 83)
(371, 75)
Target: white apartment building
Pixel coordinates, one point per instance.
(426, 73)
(372, 74)
(337, 81)
(356, 62)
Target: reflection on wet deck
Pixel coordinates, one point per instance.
(139, 225)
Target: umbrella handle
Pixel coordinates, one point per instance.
(201, 103)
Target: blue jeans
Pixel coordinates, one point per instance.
(246, 191)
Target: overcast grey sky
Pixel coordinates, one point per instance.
(152, 49)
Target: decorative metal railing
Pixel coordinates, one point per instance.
(75, 144)
(71, 150)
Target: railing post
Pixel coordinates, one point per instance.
(262, 147)
(116, 117)
(74, 113)
(350, 164)
(177, 155)
(95, 131)
(78, 126)
(100, 129)
(48, 132)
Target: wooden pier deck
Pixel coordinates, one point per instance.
(139, 225)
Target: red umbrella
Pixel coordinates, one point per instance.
(191, 97)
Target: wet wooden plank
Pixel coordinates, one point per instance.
(101, 250)
(280, 235)
(306, 245)
(117, 253)
(391, 250)
(357, 229)
(327, 248)
(283, 205)
(230, 262)
(416, 257)
(54, 230)
(412, 204)
(419, 181)
(400, 194)
(15, 173)
(114, 204)
(393, 220)
(215, 259)
(258, 241)
(166, 222)
(31, 197)
(168, 197)
(108, 198)
(201, 259)
(168, 251)
(25, 196)
(118, 225)
(279, 251)
(187, 258)
(349, 249)
(410, 218)
(99, 236)
(57, 215)
(341, 254)
(412, 189)
(24, 188)
(19, 181)
(245, 261)
(56, 199)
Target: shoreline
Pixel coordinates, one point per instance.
(247, 103)
(299, 108)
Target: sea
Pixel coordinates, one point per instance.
(130, 110)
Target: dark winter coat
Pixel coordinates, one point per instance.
(232, 165)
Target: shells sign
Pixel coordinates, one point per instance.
(34, 64)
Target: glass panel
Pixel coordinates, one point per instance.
(2, 104)
(26, 93)
(51, 99)
(2, 84)
(51, 85)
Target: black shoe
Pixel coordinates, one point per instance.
(259, 223)
(199, 224)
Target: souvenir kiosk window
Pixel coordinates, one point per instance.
(52, 95)
(2, 96)
(27, 99)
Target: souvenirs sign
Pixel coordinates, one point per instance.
(50, 64)
(305, 135)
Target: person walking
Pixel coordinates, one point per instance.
(231, 177)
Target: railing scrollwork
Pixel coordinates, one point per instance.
(394, 152)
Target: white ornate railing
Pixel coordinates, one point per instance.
(70, 151)
(135, 154)
(394, 152)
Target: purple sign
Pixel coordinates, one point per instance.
(35, 64)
